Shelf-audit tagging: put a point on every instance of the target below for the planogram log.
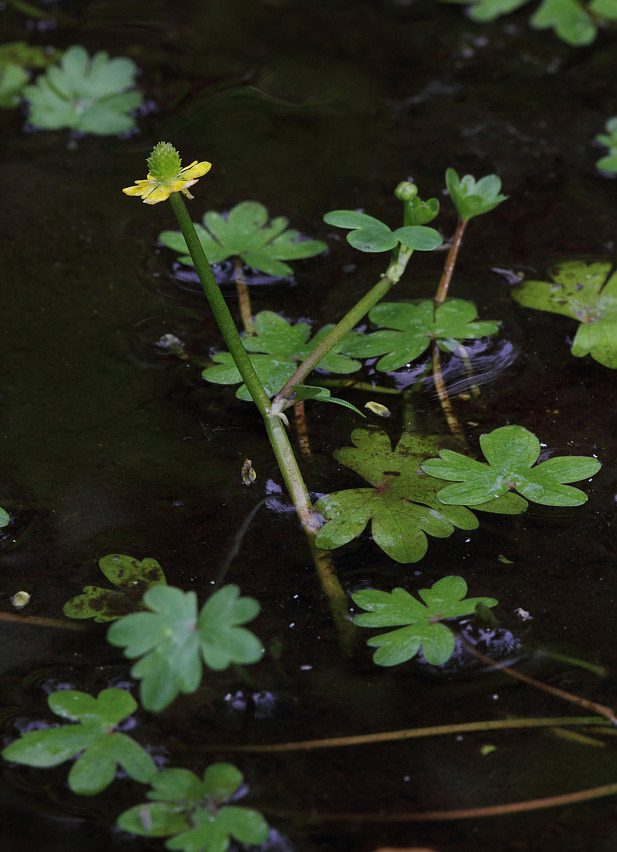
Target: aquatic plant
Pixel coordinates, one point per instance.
(16, 60)
(369, 234)
(419, 624)
(246, 234)
(87, 94)
(5, 518)
(584, 292)
(511, 453)
(194, 811)
(573, 21)
(92, 737)
(608, 163)
(132, 578)
(173, 640)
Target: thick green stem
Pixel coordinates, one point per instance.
(277, 435)
(398, 263)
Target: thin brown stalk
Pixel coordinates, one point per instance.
(41, 621)
(444, 399)
(302, 434)
(244, 299)
(448, 269)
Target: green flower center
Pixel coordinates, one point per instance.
(164, 162)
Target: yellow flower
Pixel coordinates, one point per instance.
(153, 189)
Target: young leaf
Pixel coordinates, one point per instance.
(423, 212)
(85, 94)
(173, 640)
(193, 811)
(422, 621)
(278, 347)
(371, 235)
(473, 198)
(411, 329)
(246, 234)
(586, 293)
(402, 504)
(568, 18)
(93, 734)
(608, 163)
(511, 453)
(132, 578)
(322, 395)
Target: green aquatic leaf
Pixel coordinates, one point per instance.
(27, 56)
(12, 80)
(132, 577)
(5, 518)
(369, 234)
(511, 453)
(85, 94)
(423, 212)
(278, 346)
(412, 327)
(173, 640)
(245, 233)
(586, 293)
(603, 9)
(608, 163)
(471, 197)
(489, 10)
(568, 18)
(322, 395)
(194, 811)
(419, 624)
(93, 734)
(402, 505)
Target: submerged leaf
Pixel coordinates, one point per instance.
(586, 293)
(278, 347)
(511, 453)
(93, 734)
(412, 327)
(402, 504)
(246, 234)
(194, 811)
(172, 640)
(132, 578)
(422, 629)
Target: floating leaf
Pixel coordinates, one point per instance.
(423, 628)
(586, 293)
(471, 197)
(608, 163)
(278, 347)
(5, 518)
(402, 505)
(245, 233)
(86, 94)
(411, 328)
(173, 640)
(511, 453)
(12, 80)
(132, 578)
(94, 734)
(568, 18)
(369, 234)
(194, 811)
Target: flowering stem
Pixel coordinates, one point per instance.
(277, 435)
(448, 269)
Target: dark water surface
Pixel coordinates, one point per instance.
(111, 446)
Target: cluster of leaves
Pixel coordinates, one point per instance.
(573, 21)
(369, 234)
(608, 163)
(587, 293)
(132, 579)
(93, 736)
(410, 497)
(194, 813)
(276, 348)
(246, 234)
(412, 327)
(471, 197)
(419, 624)
(16, 60)
(90, 95)
(173, 640)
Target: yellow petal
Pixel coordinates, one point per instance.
(195, 170)
(158, 193)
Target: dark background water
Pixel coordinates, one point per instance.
(110, 446)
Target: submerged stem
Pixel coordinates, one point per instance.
(444, 399)
(244, 299)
